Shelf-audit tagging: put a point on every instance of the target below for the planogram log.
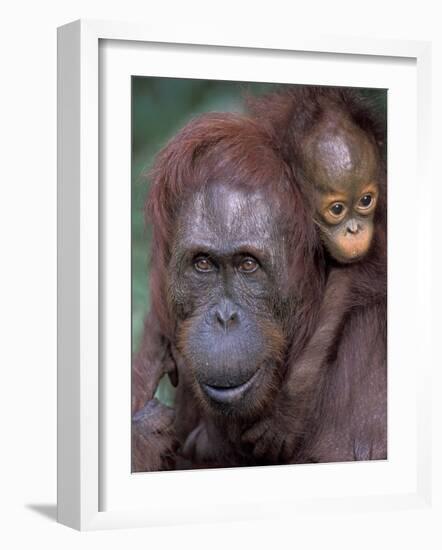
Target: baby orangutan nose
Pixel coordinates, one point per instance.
(353, 227)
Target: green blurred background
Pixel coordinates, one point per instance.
(160, 107)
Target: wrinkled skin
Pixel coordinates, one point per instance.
(228, 287)
(278, 434)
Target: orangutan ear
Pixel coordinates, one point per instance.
(171, 368)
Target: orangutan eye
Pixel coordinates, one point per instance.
(337, 209)
(248, 265)
(365, 201)
(203, 265)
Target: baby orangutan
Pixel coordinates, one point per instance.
(342, 169)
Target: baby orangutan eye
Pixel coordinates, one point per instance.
(203, 265)
(337, 209)
(366, 201)
(248, 265)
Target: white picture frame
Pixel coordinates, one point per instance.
(81, 471)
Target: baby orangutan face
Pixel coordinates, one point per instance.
(342, 165)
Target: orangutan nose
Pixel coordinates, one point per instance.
(353, 227)
(226, 314)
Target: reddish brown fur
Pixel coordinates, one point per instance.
(359, 294)
(245, 151)
(153, 438)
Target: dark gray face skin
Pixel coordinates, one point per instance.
(342, 164)
(227, 280)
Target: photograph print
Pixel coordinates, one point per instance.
(259, 274)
